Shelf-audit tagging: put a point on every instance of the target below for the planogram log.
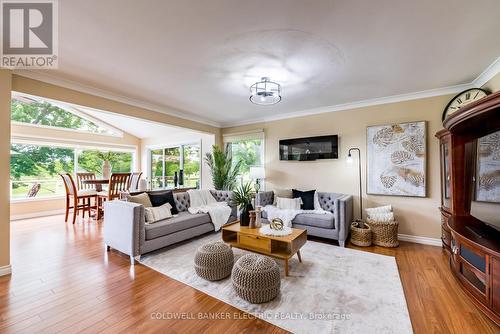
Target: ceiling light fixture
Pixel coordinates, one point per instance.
(265, 92)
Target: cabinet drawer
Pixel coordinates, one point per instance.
(256, 242)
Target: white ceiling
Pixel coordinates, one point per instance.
(137, 127)
(200, 57)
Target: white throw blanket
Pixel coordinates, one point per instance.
(287, 215)
(202, 201)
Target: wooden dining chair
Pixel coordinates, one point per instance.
(135, 177)
(80, 177)
(78, 200)
(118, 183)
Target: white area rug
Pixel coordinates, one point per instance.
(333, 290)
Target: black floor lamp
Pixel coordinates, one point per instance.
(349, 160)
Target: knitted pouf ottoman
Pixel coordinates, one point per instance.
(214, 261)
(256, 278)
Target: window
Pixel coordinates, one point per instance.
(35, 169)
(91, 161)
(191, 160)
(36, 111)
(166, 162)
(248, 148)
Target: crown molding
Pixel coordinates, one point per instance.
(50, 79)
(481, 79)
(484, 77)
(487, 74)
(358, 104)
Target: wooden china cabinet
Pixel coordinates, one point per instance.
(473, 246)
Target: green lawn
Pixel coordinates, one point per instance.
(48, 188)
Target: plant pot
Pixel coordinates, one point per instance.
(245, 215)
(106, 170)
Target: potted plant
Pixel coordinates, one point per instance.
(242, 197)
(106, 158)
(224, 172)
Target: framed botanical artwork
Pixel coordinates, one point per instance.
(396, 159)
(488, 169)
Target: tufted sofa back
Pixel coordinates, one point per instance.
(327, 200)
(182, 199)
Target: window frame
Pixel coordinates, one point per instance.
(76, 148)
(257, 134)
(181, 159)
(69, 108)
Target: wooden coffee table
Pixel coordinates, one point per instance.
(251, 239)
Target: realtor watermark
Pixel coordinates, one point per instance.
(29, 34)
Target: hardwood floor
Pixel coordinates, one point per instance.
(64, 281)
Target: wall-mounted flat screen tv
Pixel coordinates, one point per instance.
(310, 148)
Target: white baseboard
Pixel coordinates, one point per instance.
(37, 214)
(5, 270)
(420, 240)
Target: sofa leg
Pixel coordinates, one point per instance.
(132, 260)
(107, 248)
(341, 243)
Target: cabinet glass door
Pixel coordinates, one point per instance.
(446, 176)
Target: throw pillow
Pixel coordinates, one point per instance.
(380, 209)
(381, 217)
(160, 198)
(307, 198)
(288, 203)
(140, 199)
(155, 214)
(283, 193)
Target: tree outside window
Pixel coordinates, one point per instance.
(249, 151)
(165, 162)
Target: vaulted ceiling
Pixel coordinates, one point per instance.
(198, 58)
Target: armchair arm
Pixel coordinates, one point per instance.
(343, 217)
(263, 198)
(124, 226)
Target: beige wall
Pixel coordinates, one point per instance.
(46, 134)
(22, 209)
(9, 82)
(417, 216)
(5, 89)
(39, 88)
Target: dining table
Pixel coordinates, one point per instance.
(97, 183)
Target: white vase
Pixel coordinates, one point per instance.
(258, 216)
(106, 170)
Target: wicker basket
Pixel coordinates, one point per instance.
(384, 234)
(361, 236)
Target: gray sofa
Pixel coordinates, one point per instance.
(126, 231)
(335, 226)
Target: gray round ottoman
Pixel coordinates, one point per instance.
(256, 278)
(214, 261)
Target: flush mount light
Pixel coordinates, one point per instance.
(265, 92)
